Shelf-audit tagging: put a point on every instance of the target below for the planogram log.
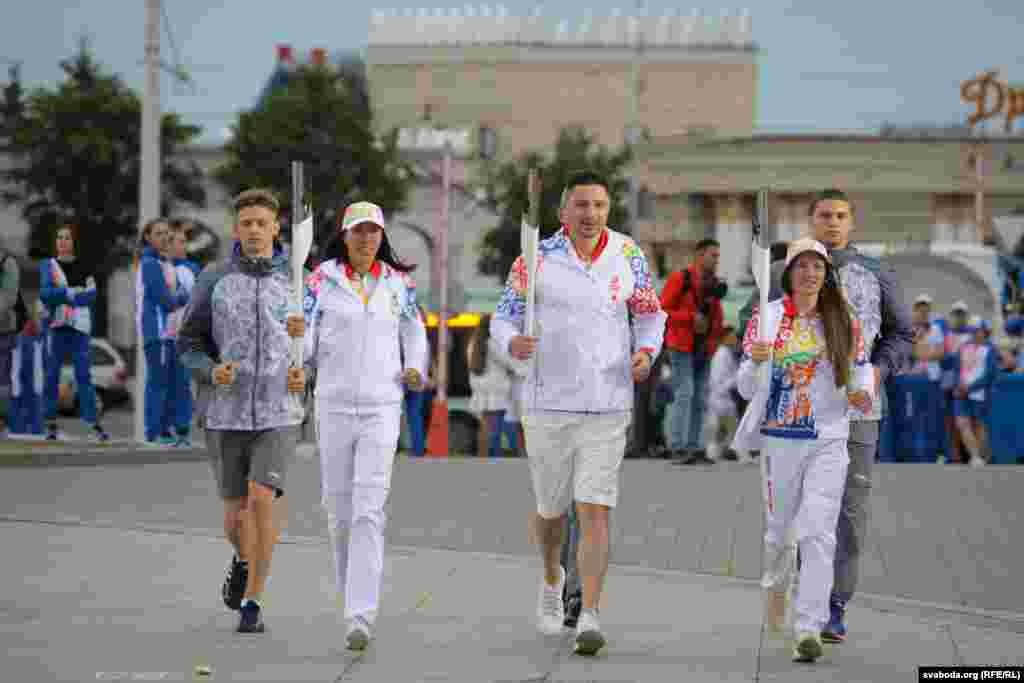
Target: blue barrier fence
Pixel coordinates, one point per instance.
(914, 428)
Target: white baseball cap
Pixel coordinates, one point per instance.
(362, 212)
(959, 306)
(805, 244)
(923, 299)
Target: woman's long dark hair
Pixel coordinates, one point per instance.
(837, 321)
(337, 249)
(481, 338)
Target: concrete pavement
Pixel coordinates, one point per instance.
(117, 570)
(98, 603)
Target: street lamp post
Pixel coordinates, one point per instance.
(444, 146)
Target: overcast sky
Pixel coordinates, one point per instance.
(824, 64)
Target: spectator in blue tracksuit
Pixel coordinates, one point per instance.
(26, 413)
(417, 407)
(976, 367)
(67, 289)
(157, 296)
(178, 406)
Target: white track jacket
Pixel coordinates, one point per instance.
(358, 349)
(590, 320)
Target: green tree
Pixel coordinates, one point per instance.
(76, 157)
(12, 108)
(575, 150)
(319, 115)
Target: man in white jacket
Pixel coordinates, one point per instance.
(579, 388)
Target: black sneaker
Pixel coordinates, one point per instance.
(51, 431)
(573, 606)
(234, 584)
(99, 434)
(250, 620)
(686, 456)
(700, 457)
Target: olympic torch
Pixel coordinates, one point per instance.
(302, 241)
(761, 263)
(531, 240)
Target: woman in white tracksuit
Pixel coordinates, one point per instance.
(798, 420)
(365, 338)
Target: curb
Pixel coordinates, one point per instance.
(100, 455)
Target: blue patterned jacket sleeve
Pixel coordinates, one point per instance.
(510, 315)
(311, 313)
(648, 320)
(412, 330)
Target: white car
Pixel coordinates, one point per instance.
(109, 376)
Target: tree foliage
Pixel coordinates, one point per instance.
(575, 150)
(319, 115)
(75, 157)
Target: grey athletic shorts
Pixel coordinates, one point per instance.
(238, 457)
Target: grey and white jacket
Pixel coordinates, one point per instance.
(238, 312)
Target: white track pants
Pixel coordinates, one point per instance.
(803, 485)
(357, 453)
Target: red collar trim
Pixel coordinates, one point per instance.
(350, 272)
(602, 242)
(788, 306)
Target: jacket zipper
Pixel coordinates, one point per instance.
(259, 342)
(362, 351)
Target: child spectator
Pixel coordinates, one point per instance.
(976, 368)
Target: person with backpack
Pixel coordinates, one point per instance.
(12, 318)
(692, 298)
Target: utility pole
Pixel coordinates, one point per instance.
(149, 180)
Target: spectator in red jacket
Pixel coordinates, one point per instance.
(692, 298)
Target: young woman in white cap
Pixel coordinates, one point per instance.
(798, 420)
(365, 339)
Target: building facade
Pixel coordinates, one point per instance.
(516, 81)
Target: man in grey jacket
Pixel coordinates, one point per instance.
(873, 291)
(236, 335)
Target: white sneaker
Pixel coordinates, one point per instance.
(977, 462)
(808, 647)
(713, 451)
(589, 639)
(743, 456)
(550, 609)
(358, 635)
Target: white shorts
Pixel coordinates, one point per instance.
(575, 456)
